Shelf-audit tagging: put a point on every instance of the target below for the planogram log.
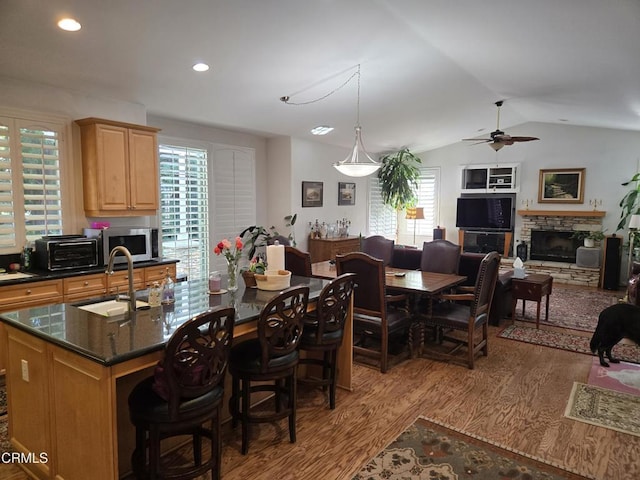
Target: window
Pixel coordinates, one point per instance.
(207, 193)
(383, 220)
(31, 185)
(184, 208)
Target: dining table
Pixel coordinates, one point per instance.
(416, 283)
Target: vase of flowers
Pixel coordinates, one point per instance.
(232, 254)
(257, 265)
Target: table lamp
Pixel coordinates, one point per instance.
(417, 213)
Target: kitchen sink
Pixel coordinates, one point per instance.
(110, 308)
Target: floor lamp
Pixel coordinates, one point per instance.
(417, 213)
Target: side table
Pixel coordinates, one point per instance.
(534, 286)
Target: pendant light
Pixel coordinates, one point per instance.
(359, 163)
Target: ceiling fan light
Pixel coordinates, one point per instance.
(496, 145)
(352, 166)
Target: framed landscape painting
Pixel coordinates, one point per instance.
(346, 193)
(311, 194)
(561, 185)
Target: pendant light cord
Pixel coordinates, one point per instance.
(287, 98)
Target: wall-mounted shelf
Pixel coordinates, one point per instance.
(561, 213)
(500, 178)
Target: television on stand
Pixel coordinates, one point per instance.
(486, 223)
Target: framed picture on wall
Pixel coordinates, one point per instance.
(346, 193)
(561, 185)
(311, 194)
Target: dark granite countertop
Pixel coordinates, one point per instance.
(40, 275)
(112, 340)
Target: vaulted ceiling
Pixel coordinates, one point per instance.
(430, 69)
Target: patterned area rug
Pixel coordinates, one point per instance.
(622, 377)
(429, 450)
(567, 341)
(604, 408)
(570, 307)
(5, 445)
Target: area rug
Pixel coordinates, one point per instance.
(5, 445)
(567, 341)
(430, 450)
(622, 377)
(573, 308)
(604, 408)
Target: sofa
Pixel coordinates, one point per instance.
(409, 258)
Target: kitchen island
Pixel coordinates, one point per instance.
(70, 372)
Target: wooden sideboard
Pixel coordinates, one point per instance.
(322, 249)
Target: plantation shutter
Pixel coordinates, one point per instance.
(235, 197)
(427, 199)
(382, 218)
(184, 208)
(30, 181)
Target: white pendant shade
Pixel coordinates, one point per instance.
(634, 223)
(358, 163)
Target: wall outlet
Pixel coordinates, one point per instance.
(25, 370)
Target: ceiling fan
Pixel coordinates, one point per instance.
(498, 138)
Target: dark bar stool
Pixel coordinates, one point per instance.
(272, 357)
(185, 392)
(324, 329)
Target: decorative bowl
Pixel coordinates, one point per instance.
(273, 280)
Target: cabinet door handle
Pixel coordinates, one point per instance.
(86, 284)
(28, 292)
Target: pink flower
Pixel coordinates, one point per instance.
(232, 252)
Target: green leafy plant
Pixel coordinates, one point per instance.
(398, 179)
(630, 203)
(256, 236)
(597, 235)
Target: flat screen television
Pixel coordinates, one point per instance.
(485, 213)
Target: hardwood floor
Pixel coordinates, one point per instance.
(515, 397)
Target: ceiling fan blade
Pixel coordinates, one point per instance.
(524, 139)
(479, 140)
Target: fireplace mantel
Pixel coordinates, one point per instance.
(561, 213)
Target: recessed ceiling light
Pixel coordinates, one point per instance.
(201, 67)
(69, 25)
(321, 130)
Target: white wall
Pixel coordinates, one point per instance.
(313, 162)
(609, 156)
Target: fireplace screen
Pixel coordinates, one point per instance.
(553, 246)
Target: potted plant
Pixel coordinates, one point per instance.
(398, 179)
(630, 203)
(589, 237)
(256, 236)
(256, 266)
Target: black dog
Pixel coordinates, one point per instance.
(616, 322)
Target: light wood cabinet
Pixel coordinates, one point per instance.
(119, 168)
(84, 286)
(32, 294)
(158, 274)
(119, 281)
(322, 249)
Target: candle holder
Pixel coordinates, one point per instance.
(526, 203)
(595, 203)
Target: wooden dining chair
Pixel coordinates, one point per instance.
(371, 317)
(185, 392)
(297, 261)
(466, 312)
(440, 256)
(379, 247)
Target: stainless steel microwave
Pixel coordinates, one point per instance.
(142, 242)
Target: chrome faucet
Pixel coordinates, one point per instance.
(132, 295)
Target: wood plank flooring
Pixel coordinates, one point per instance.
(515, 397)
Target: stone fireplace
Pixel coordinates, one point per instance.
(552, 251)
(553, 246)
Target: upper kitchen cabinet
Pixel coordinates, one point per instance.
(119, 168)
